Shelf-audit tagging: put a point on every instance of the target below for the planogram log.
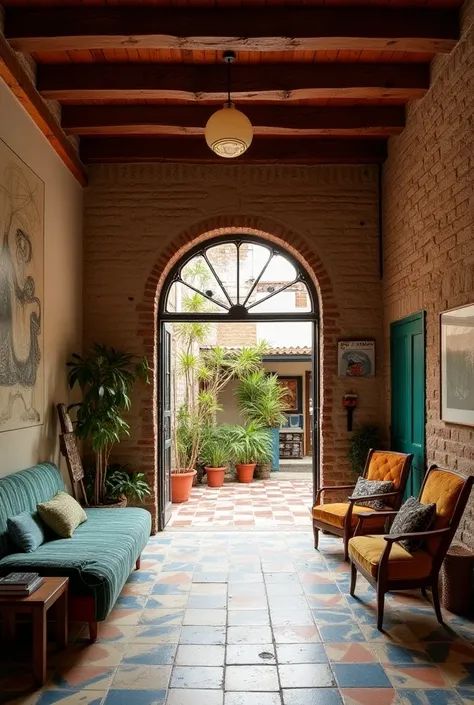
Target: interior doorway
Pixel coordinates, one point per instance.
(239, 294)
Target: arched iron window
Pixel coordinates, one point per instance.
(242, 277)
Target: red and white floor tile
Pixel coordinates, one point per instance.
(264, 504)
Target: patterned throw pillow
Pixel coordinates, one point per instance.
(412, 518)
(62, 514)
(366, 487)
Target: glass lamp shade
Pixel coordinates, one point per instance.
(229, 132)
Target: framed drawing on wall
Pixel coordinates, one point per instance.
(294, 394)
(457, 365)
(21, 293)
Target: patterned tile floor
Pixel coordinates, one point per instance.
(255, 619)
(266, 504)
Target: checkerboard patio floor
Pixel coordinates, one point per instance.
(265, 504)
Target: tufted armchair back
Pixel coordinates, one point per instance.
(443, 488)
(389, 466)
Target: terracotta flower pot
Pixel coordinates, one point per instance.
(215, 476)
(245, 471)
(181, 485)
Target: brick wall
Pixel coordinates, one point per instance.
(428, 212)
(140, 218)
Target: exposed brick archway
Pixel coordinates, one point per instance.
(289, 240)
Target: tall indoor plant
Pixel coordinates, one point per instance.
(261, 398)
(106, 378)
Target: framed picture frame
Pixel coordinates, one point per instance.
(294, 395)
(356, 358)
(457, 365)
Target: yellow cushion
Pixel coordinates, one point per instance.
(62, 514)
(367, 552)
(442, 488)
(334, 514)
(387, 467)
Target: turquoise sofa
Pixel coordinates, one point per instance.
(98, 559)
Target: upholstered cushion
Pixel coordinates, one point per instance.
(386, 466)
(26, 531)
(97, 560)
(22, 492)
(335, 514)
(62, 514)
(367, 487)
(442, 488)
(367, 552)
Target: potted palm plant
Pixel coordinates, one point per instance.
(106, 378)
(188, 429)
(216, 452)
(251, 444)
(261, 398)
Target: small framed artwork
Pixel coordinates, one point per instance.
(356, 358)
(457, 365)
(294, 394)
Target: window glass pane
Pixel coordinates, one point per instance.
(198, 274)
(182, 299)
(252, 261)
(223, 259)
(287, 301)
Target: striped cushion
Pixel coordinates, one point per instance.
(22, 492)
(98, 558)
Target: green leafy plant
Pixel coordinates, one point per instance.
(250, 444)
(363, 439)
(106, 378)
(261, 398)
(216, 448)
(122, 483)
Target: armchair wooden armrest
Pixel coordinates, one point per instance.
(391, 538)
(331, 487)
(363, 498)
(370, 515)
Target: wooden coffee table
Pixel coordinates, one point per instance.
(52, 592)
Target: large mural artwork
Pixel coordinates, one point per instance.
(21, 293)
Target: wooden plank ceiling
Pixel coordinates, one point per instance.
(322, 81)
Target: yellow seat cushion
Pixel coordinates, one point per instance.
(367, 552)
(386, 467)
(334, 514)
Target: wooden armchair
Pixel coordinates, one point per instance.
(388, 566)
(340, 518)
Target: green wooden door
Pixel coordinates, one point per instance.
(407, 361)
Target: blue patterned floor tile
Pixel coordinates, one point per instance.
(428, 697)
(64, 697)
(135, 697)
(141, 576)
(355, 675)
(341, 632)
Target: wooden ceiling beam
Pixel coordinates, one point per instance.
(184, 119)
(262, 151)
(250, 29)
(21, 86)
(252, 82)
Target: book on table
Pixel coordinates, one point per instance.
(20, 584)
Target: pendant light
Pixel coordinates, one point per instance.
(228, 131)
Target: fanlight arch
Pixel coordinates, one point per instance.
(241, 277)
